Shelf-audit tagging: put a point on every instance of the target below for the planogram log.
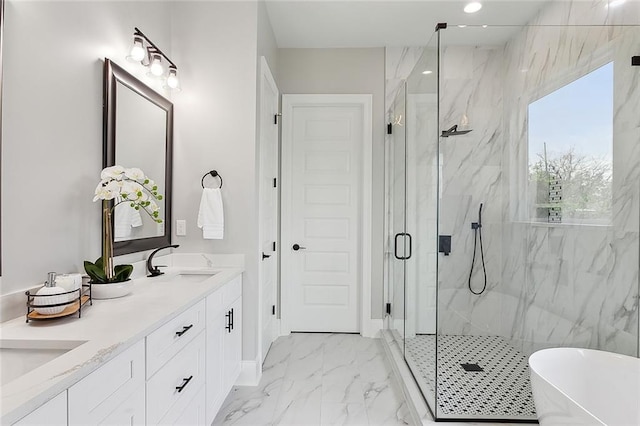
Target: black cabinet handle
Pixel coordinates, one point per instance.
(183, 385)
(231, 318)
(228, 326)
(184, 330)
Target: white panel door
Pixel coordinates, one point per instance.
(269, 96)
(322, 211)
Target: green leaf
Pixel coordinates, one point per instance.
(99, 263)
(96, 273)
(122, 273)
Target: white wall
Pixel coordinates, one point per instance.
(52, 128)
(348, 71)
(215, 45)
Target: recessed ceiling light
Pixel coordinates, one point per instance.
(615, 3)
(427, 72)
(473, 7)
(484, 26)
(462, 26)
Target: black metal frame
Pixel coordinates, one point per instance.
(114, 74)
(84, 290)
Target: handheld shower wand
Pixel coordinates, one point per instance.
(477, 235)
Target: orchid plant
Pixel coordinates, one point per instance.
(129, 185)
(121, 185)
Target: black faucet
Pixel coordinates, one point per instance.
(154, 271)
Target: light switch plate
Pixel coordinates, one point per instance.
(181, 227)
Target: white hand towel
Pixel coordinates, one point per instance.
(125, 218)
(211, 215)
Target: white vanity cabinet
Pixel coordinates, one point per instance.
(177, 384)
(112, 394)
(224, 344)
(179, 374)
(232, 345)
(51, 413)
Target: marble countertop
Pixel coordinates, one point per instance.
(108, 327)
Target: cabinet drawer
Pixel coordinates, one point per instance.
(51, 413)
(231, 291)
(169, 339)
(173, 387)
(102, 392)
(193, 414)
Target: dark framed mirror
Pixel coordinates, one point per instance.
(138, 132)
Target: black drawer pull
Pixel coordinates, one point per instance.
(232, 318)
(184, 330)
(229, 325)
(186, 382)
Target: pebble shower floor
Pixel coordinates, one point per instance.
(501, 391)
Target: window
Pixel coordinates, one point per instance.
(570, 151)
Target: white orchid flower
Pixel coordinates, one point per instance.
(130, 186)
(113, 172)
(106, 192)
(134, 173)
(131, 189)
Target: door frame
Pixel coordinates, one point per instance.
(289, 102)
(267, 76)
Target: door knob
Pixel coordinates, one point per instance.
(265, 256)
(297, 247)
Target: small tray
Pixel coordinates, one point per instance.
(74, 305)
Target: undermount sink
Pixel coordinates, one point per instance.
(18, 357)
(190, 277)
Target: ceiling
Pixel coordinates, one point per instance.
(375, 23)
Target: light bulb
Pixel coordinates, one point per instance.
(172, 80)
(156, 66)
(427, 72)
(473, 7)
(137, 52)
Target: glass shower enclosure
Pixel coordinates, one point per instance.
(512, 208)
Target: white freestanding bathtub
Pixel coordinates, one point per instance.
(574, 386)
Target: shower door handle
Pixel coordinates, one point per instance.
(395, 246)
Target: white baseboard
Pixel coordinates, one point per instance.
(250, 373)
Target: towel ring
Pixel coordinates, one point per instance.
(213, 173)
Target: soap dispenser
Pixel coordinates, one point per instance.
(52, 297)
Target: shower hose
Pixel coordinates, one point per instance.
(477, 235)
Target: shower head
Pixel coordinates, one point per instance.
(453, 131)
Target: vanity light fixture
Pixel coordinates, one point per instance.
(156, 65)
(148, 54)
(172, 79)
(138, 51)
(473, 7)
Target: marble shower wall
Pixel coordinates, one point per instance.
(571, 285)
(471, 173)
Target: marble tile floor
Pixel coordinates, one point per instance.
(321, 379)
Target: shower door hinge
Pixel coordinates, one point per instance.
(389, 129)
(273, 309)
(275, 182)
(275, 117)
(388, 308)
